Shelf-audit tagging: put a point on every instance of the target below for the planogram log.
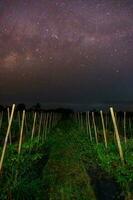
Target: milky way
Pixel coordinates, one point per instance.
(77, 51)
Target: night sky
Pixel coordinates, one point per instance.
(73, 51)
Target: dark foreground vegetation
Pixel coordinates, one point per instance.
(61, 161)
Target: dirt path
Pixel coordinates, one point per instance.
(65, 177)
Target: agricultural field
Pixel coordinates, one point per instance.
(66, 99)
(66, 155)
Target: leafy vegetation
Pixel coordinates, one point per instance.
(66, 164)
(21, 177)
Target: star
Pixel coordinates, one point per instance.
(65, 47)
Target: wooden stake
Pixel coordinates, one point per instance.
(50, 121)
(33, 127)
(75, 116)
(95, 129)
(82, 124)
(39, 130)
(125, 137)
(87, 123)
(6, 138)
(89, 126)
(21, 132)
(78, 118)
(106, 121)
(10, 136)
(19, 119)
(1, 119)
(130, 126)
(51, 118)
(117, 135)
(44, 125)
(104, 131)
(47, 119)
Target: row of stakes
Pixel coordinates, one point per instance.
(53, 119)
(50, 120)
(116, 132)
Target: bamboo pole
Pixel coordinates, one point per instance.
(106, 121)
(78, 118)
(87, 123)
(125, 137)
(44, 120)
(130, 126)
(104, 130)
(81, 116)
(33, 127)
(26, 126)
(47, 119)
(6, 138)
(10, 136)
(117, 135)
(19, 120)
(75, 116)
(50, 121)
(54, 119)
(1, 119)
(95, 129)
(8, 114)
(21, 132)
(89, 126)
(44, 125)
(39, 130)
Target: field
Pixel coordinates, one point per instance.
(62, 155)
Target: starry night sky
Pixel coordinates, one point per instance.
(62, 51)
